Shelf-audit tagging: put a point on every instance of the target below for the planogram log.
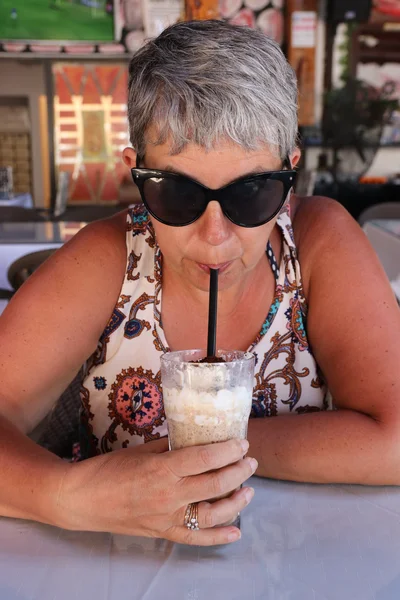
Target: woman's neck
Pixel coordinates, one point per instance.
(229, 300)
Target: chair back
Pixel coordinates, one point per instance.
(22, 268)
(387, 247)
(60, 430)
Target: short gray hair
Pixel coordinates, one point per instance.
(207, 81)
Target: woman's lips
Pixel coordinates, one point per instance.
(221, 266)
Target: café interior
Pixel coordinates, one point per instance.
(63, 127)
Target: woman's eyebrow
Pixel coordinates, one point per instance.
(172, 169)
(253, 171)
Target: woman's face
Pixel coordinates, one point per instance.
(212, 240)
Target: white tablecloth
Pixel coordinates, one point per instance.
(299, 542)
(24, 200)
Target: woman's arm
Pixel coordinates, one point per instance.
(353, 327)
(328, 447)
(141, 491)
(49, 329)
(30, 477)
(53, 323)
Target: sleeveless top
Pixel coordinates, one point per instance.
(121, 394)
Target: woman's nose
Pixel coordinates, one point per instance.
(214, 227)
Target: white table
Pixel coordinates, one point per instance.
(24, 200)
(299, 542)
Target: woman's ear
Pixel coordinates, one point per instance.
(295, 157)
(129, 157)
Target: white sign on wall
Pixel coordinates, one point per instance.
(304, 26)
(159, 14)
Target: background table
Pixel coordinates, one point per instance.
(24, 200)
(299, 542)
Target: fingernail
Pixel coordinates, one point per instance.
(245, 445)
(253, 464)
(234, 536)
(249, 493)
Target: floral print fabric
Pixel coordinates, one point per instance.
(121, 394)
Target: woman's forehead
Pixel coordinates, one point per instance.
(213, 168)
(223, 153)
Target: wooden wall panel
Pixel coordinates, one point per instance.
(303, 60)
(44, 139)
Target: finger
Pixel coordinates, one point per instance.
(155, 447)
(213, 485)
(200, 459)
(205, 537)
(223, 511)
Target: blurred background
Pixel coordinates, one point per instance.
(63, 103)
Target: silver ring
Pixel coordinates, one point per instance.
(191, 520)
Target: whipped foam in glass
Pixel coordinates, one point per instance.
(197, 417)
(206, 402)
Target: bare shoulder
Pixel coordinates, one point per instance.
(353, 321)
(102, 237)
(96, 254)
(53, 323)
(310, 212)
(322, 226)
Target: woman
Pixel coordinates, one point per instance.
(212, 114)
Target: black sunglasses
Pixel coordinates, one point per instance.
(249, 201)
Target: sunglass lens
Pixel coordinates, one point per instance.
(254, 201)
(174, 201)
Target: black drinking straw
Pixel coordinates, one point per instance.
(212, 314)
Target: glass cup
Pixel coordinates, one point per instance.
(206, 402)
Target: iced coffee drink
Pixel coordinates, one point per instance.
(206, 402)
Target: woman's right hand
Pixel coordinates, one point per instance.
(145, 492)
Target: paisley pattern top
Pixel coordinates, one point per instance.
(122, 403)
